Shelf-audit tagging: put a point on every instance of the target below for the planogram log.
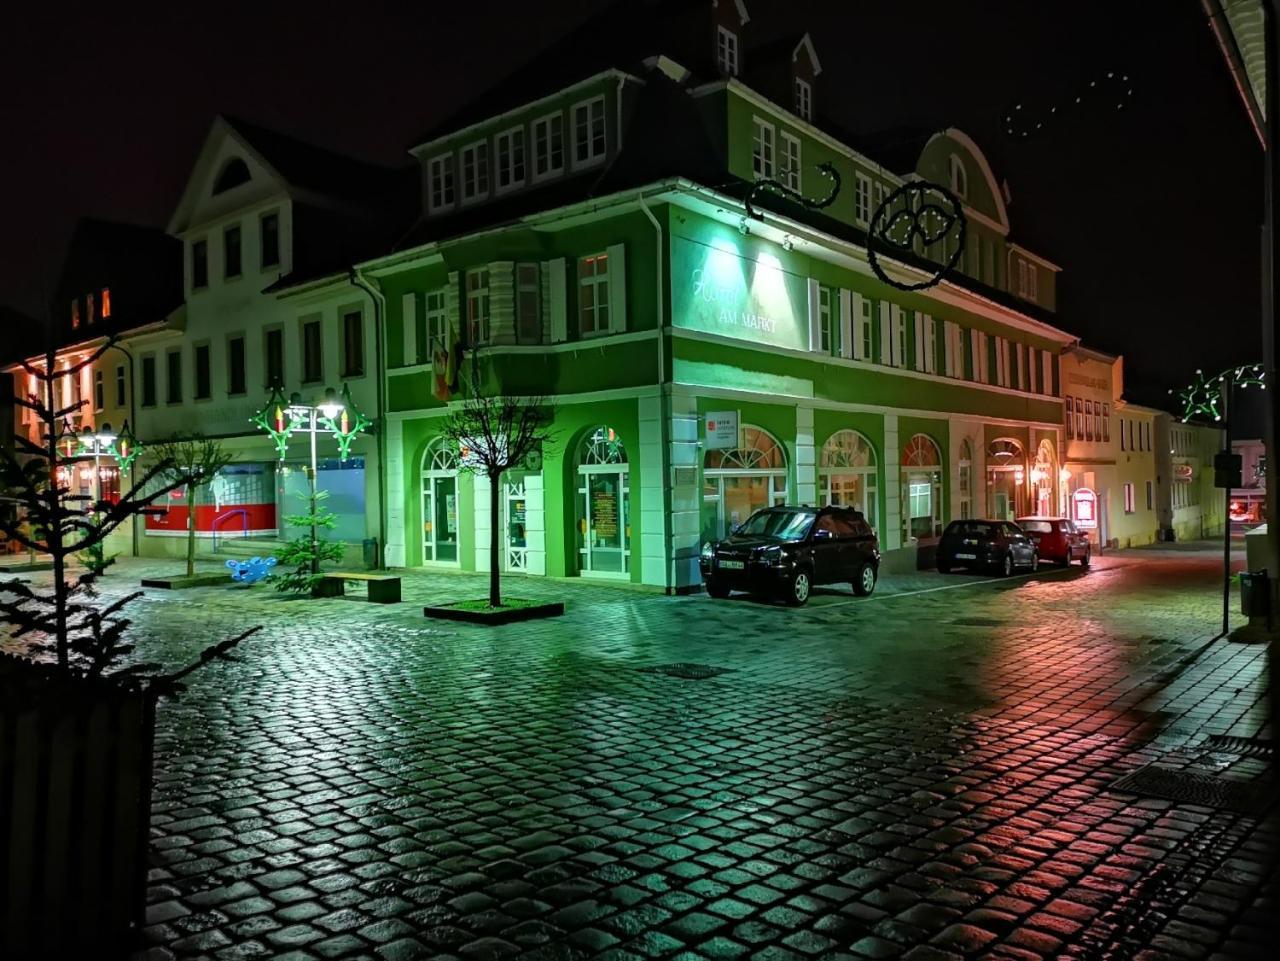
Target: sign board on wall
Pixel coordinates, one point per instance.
(1183, 473)
(737, 286)
(1084, 508)
(721, 430)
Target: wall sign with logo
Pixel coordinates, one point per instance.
(1183, 473)
(737, 286)
(721, 431)
(1084, 508)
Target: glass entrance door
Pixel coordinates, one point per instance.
(515, 529)
(440, 519)
(604, 526)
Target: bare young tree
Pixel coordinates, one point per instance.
(191, 462)
(493, 434)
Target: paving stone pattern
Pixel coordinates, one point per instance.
(923, 775)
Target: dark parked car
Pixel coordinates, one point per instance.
(786, 551)
(1057, 539)
(986, 545)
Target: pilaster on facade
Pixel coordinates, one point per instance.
(806, 460)
(686, 492)
(394, 551)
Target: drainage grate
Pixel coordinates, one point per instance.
(1243, 746)
(1189, 787)
(690, 672)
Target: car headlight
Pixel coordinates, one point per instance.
(708, 551)
(772, 557)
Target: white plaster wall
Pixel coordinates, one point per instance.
(806, 459)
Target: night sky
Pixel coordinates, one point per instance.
(1152, 212)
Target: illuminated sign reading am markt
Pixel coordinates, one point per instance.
(735, 287)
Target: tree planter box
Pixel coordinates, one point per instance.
(519, 611)
(75, 808)
(182, 581)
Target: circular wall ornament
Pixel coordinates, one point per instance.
(923, 211)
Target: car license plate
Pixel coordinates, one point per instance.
(731, 565)
(966, 557)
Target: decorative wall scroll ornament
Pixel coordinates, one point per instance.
(1028, 118)
(1203, 396)
(917, 211)
(768, 183)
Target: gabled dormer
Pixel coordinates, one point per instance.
(785, 71)
(729, 19)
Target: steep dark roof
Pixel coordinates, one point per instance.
(314, 168)
(620, 36)
(20, 335)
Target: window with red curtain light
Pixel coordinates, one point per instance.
(106, 302)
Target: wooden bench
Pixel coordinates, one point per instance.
(383, 588)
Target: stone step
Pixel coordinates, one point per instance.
(248, 547)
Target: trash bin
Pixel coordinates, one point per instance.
(1255, 593)
(370, 553)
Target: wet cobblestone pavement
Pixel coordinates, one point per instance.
(924, 774)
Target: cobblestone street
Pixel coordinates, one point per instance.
(925, 773)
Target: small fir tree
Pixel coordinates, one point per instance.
(86, 639)
(305, 553)
(192, 462)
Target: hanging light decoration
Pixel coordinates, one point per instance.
(279, 419)
(1203, 396)
(344, 418)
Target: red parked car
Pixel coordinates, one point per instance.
(1057, 539)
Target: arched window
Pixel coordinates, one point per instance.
(847, 473)
(604, 505)
(233, 173)
(439, 476)
(1044, 478)
(1006, 474)
(921, 489)
(741, 480)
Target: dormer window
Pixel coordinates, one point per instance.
(510, 151)
(727, 51)
(234, 173)
(75, 314)
(441, 176)
(804, 99)
(475, 172)
(959, 179)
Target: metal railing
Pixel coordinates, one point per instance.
(244, 521)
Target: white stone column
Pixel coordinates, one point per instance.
(891, 529)
(806, 465)
(535, 520)
(686, 494)
(480, 498)
(393, 551)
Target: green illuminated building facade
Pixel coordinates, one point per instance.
(584, 239)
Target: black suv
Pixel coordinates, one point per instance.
(787, 550)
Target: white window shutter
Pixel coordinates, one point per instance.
(544, 300)
(617, 288)
(409, 323)
(502, 302)
(859, 323)
(886, 334)
(1047, 381)
(1031, 369)
(846, 324)
(559, 302)
(815, 330)
(453, 309)
(899, 336)
(919, 328)
(930, 345)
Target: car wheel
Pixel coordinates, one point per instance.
(798, 588)
(1035, 563)
(1084, 561)
(1006, 567)
(716, 589)
(944, 568)
(865, 582)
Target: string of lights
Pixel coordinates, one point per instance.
(1026, 119)
(919, 211)
(827, 169)
(1203, 397)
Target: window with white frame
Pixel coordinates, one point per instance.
(865, 337)
(762, 149)
(548, 146)
(436, 322)
(1106, 423)
(593, 294)
(1069, 407)
(509, 147)
(959, 179)
(478, 306)
(804, 99)
(1022, 278)
(727, 51)
(441, 176)
(588, 132)
(1088, 420)
(1031, 281)
(825, 339)
(899, 337)
(861, 199)
(528, 303)
(475, 171)
(790, 172)
(1129, 501)
(1151, 495)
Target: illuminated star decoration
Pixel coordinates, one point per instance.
(278, 420)
(349, 422)
(1026, 119)
(926, 212)
(778, 187)
(1203, 396)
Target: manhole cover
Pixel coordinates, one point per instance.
(1189, 787)
(691, 672)
(978, 622)
(1243, 746)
